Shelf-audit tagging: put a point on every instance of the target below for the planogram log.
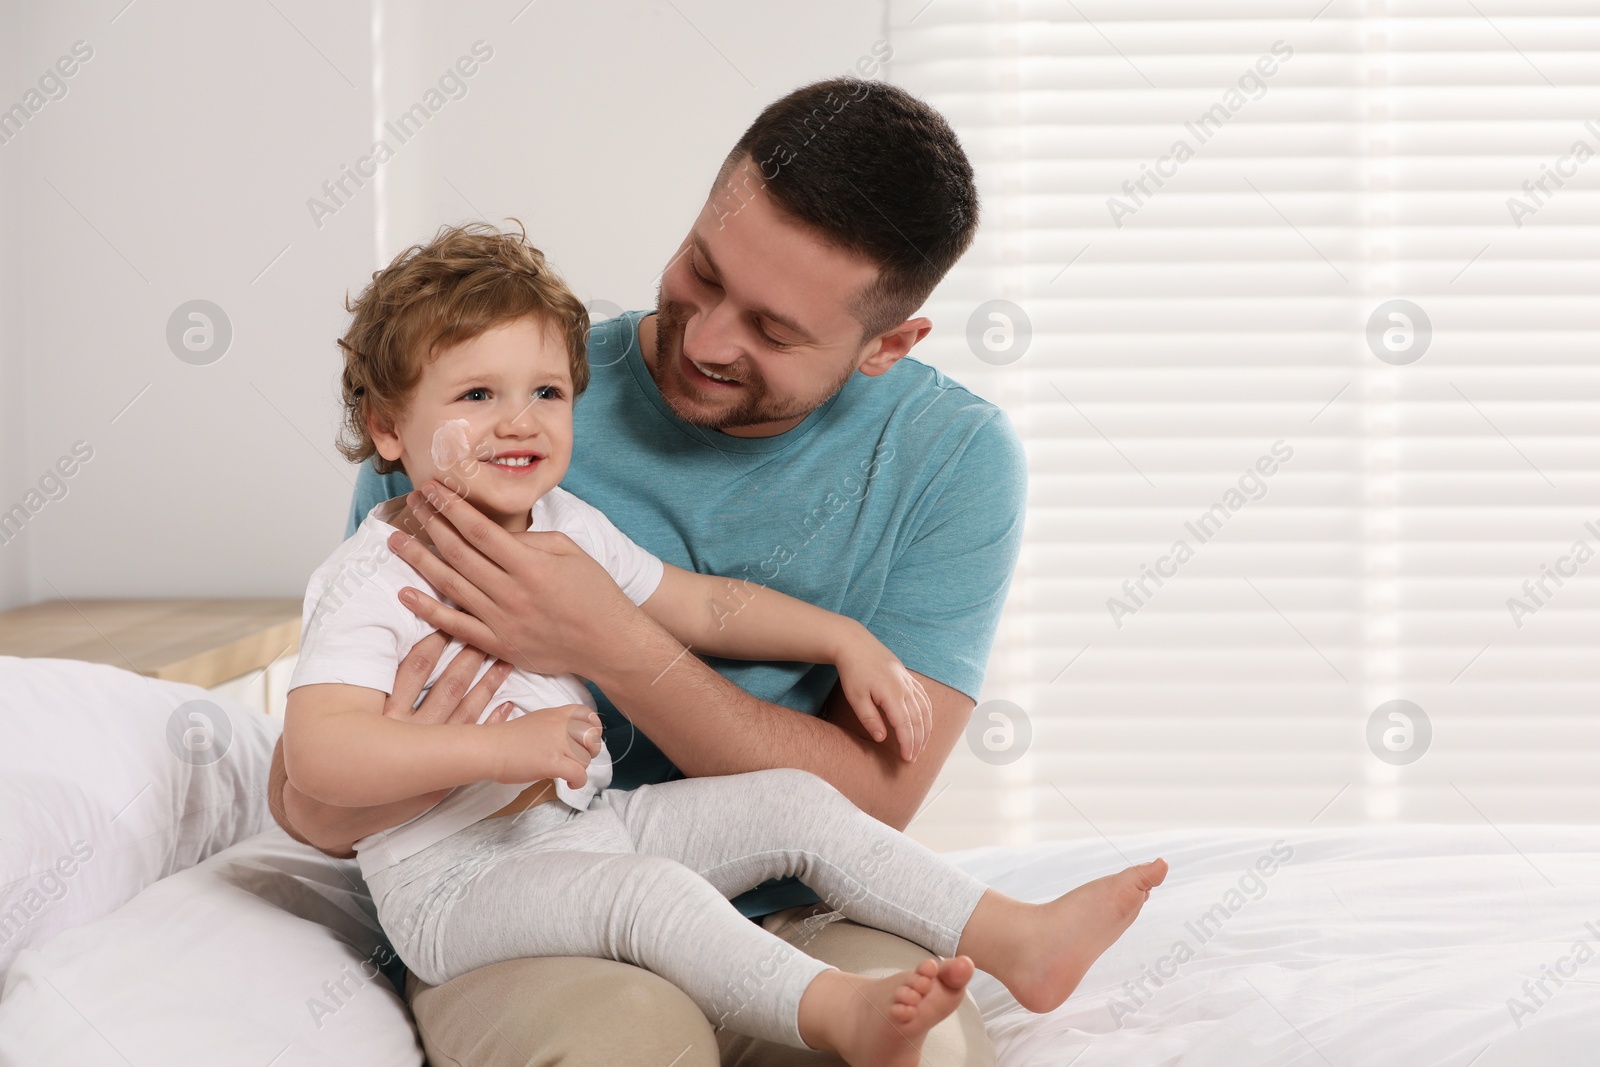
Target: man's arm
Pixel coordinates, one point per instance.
(453, 699)
(703, 723)
(706, 725)
(906, 785)
(745, 620)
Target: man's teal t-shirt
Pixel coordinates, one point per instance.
(899, 502)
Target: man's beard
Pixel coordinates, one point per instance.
(752, 405)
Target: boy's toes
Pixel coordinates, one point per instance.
(1152, 874)
(957, 972)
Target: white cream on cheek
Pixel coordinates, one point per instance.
(451, 445)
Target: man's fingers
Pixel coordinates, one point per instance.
(478, 698)
(476, 554)
(481, 541)
(450, 688)
(460, 670)
(413, 673)
(462, 534)
(496, 676)
(442, 575)
(453, 622)
(500, 714)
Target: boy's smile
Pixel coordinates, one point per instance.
(491, 418)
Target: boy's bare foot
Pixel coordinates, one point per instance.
(1042, 951)
(882, 1022)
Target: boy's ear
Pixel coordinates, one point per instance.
(887, 348)
(384, 437)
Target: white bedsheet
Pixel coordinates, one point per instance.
(1365, 948)
(1405, 945)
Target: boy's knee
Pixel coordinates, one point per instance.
(642, 870)
(650, 888)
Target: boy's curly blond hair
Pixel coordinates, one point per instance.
(466, 280)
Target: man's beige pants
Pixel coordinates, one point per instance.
(572, 1012)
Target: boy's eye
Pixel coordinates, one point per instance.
(475, 394)
(547, 392)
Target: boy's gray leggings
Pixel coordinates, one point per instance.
(645, 876)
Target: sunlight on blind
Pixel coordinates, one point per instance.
(1295, 310)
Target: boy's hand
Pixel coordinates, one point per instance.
(549, 743)
(879, 687)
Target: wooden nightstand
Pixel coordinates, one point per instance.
(244, 649)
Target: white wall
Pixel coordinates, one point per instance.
(599, 125)
(175, 168)
(179, 165)
(13, 438)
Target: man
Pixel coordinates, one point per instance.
(762, 424)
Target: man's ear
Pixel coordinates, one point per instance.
(384, 437)
(887, 348)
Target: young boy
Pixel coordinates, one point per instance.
(462, 363)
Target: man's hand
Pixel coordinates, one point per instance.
(453, 699)
(450, 699)
(533, 599)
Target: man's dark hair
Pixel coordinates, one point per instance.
(875, 171)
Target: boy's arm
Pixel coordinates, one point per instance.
(330, 828)
(453, 698)
(339, 748)
(743, 620)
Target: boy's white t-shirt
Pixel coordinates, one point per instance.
(355, 631)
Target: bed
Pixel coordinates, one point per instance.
(151, 913)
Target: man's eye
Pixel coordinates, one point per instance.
(771, 341)
(701, 278)
(475, 394)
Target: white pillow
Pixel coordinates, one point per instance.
(266, 953)
(110, 781)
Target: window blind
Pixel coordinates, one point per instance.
(1293, 305)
